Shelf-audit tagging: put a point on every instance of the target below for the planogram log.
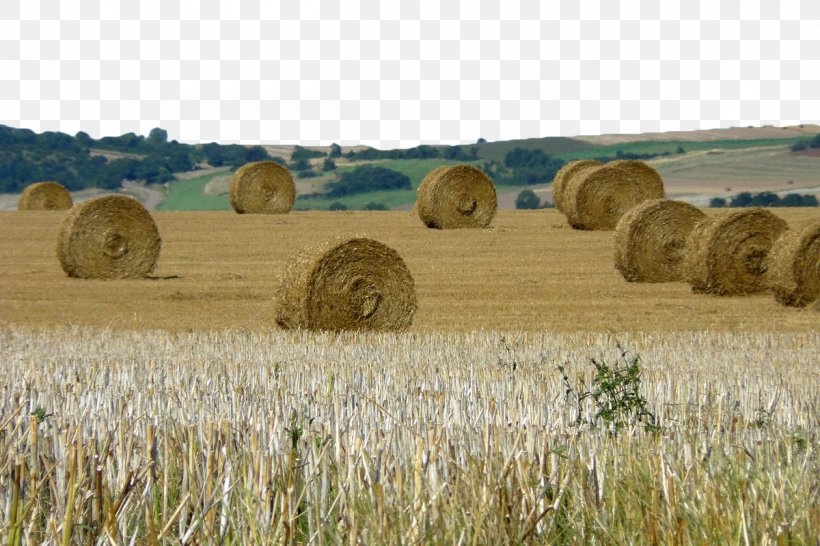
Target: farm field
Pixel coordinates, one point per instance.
(528, 272)
(172, 410)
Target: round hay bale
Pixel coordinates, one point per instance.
(263, 187)
(110, 237)
(726, 254)
(346, 284)
(648, 178)
(45, 196)
(651, 237)
(460, 196)
(794, 266)
(596, 197)
(564, 175)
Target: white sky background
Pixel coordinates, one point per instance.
(394, 74)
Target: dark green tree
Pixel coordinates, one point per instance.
(527, 200)
(158, 135)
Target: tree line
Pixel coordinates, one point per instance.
(27, 157)
(765, 199)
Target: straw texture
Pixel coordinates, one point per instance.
(347, 284)
(111, 237)
(263, 187)
(564, 175)
(648, 178)
(460, 196)
(651, 237)
(45, 196)
(727, 254)
(597, 197)
(794, 266)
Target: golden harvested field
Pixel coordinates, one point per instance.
(219, 270)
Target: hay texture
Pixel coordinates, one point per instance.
(111, 237)
(650, 240)
(648, 178)
(564, 175)
(727, 254)
(597, 197)
(263, 187)
(347, 284)
(794, 266)
(45, 196)
(460, 196)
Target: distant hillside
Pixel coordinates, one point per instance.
(696, 165)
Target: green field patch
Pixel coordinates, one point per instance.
(415, 169)
(190, 195)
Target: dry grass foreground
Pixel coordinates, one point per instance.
(528, 271)
(284, 438)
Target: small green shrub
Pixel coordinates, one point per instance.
(614, 393)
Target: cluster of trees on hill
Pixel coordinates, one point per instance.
(27, 157)
(523, 167)
(765, 199)
(801, 145)
(367, 178)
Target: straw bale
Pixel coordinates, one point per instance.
(45, 196)
(651, 237)
(564, 175)
(727, 254)
(346, 284)
(110, 237)
(648, 178)
(794, 266)
(262, 187)
(596, 197)
(460, 196)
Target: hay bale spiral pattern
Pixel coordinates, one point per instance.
(110, 237)
(347, 284)
(45, 196)
(262, 187)
(564, 175)
(727, 254)
(648, 178)
(794, 266)
(460, 196)
(597, 197)
(650, 240)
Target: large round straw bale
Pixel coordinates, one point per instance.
(45, 196)
(648, 178)
(794, 266)
(460, 196)
(651, 237)
(110, 237)
(347, 284)
(726, 254)
(564, 175)
(597, 197)
(263, 187)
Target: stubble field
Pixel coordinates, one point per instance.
(172, 410)
(218, 270)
